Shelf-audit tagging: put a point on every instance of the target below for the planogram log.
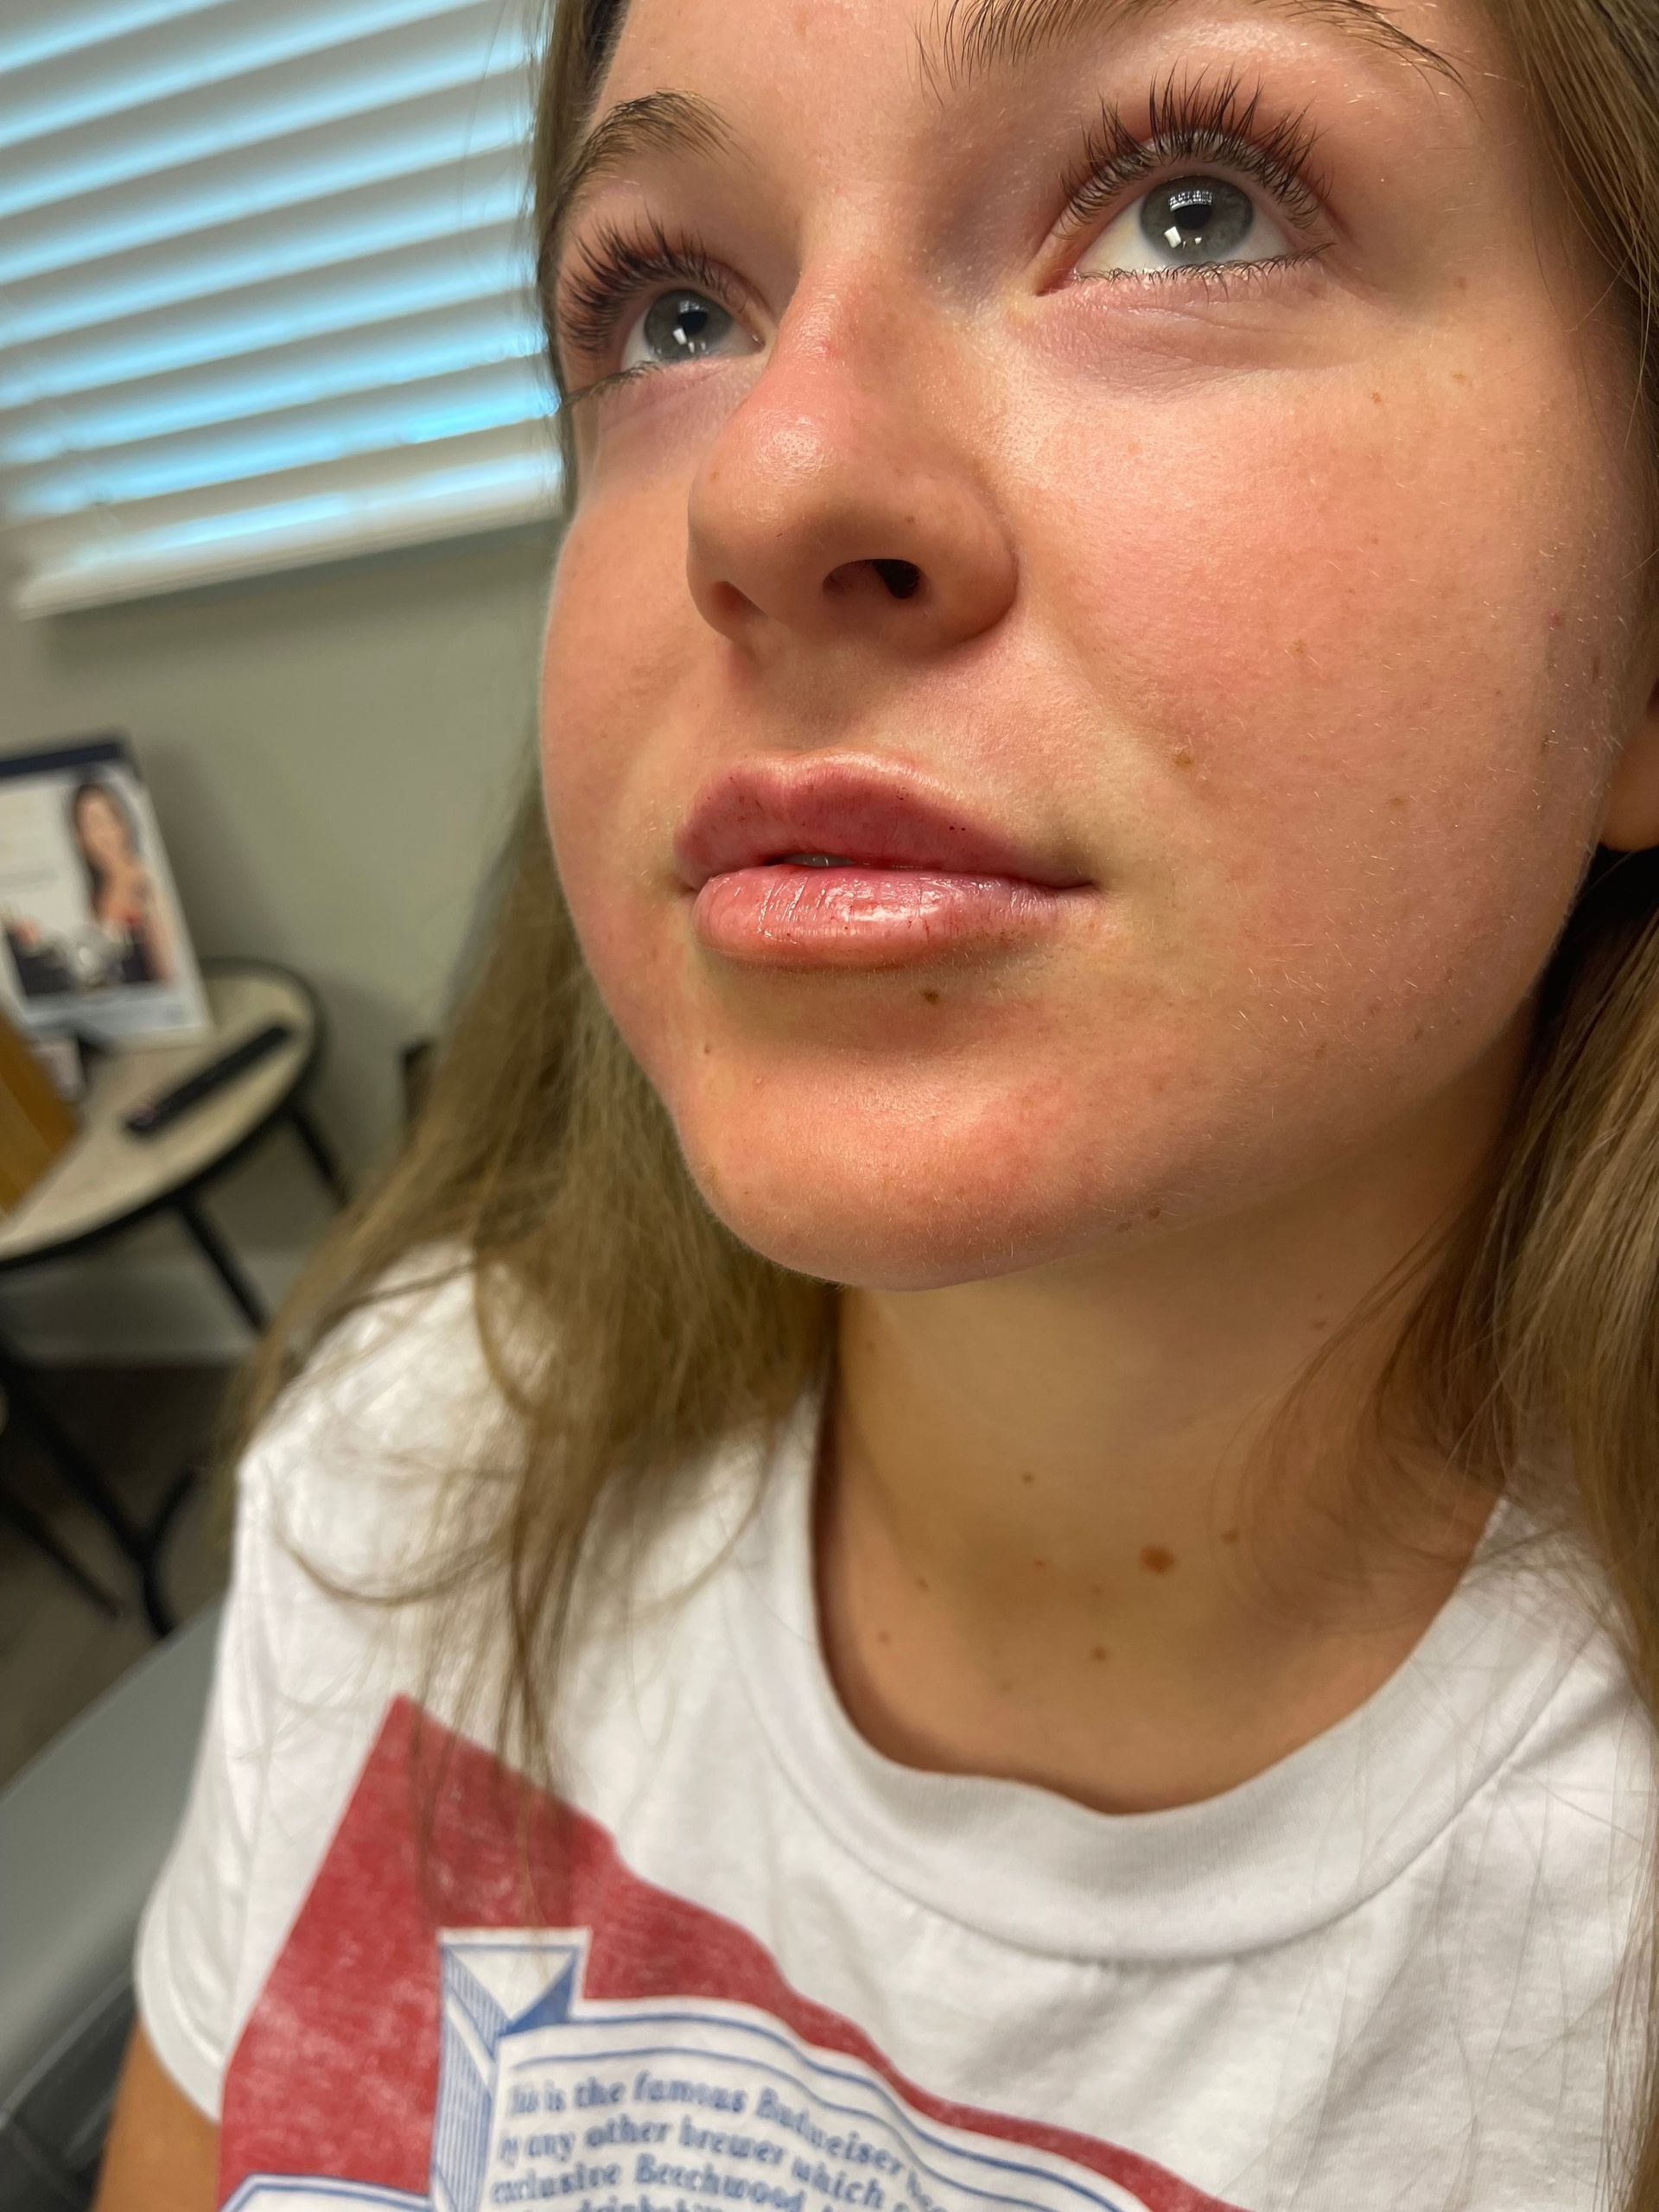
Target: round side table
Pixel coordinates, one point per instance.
(107, 1180)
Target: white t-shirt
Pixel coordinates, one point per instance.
(771, 1967)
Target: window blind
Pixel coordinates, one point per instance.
(266, 290)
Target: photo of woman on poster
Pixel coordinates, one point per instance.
(92, 936)
(121, 893)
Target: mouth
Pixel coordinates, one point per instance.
(859, 864)
(856, 813)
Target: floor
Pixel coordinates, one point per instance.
(57, 1652)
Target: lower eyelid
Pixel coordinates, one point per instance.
(1199, 284)
(644, 372)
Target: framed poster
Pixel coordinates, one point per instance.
(91, 939)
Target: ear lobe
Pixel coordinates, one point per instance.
(1630, 821)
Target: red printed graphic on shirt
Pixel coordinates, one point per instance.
(420, 2046)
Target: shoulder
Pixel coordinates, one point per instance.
(391, 1458)
(415, 1326)
(1561, 1837)
(394, 1401)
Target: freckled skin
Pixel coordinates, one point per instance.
(1207, 606)
(1156, 1560)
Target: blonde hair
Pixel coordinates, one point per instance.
(643, 1332)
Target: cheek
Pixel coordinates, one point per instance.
(608, 681)
(1357, 649)
(603, 673)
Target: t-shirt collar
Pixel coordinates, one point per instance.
(1297, 1845)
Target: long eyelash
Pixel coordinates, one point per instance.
(1191, 125)
(617, 266)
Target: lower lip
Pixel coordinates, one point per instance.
(800, 916)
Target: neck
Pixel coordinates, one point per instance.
(1044, 1546)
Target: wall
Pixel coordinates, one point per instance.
(332, 755)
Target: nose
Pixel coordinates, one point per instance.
(836, 502)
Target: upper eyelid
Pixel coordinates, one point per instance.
(1197, 125)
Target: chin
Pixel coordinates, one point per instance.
(836, 1239)
(879, 1203)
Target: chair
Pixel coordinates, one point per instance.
(84, 1829)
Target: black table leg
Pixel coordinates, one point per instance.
(220, 1258)
(78, 1470)
(321, 1158)
(156, 1608)
(28, 1523)
(43, 1424)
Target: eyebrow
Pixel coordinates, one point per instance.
(982, 37)
(979, 39)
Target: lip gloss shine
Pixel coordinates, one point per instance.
(848, 915)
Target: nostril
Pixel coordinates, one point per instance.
(902, 578)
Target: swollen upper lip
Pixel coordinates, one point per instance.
(870, 813)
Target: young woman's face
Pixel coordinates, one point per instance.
(1285, 605)
(103, 833)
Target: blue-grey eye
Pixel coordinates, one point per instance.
(1190, 222)
(679, 327)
